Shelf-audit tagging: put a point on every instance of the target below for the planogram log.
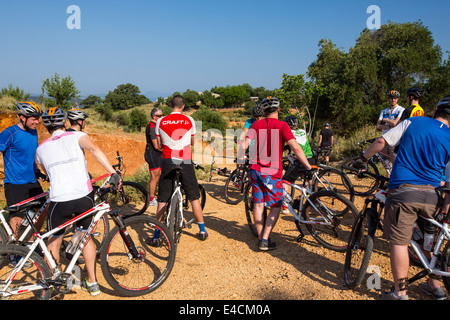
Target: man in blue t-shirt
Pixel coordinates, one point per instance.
(18, 144)
(418, 169)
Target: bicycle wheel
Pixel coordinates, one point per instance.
(188, 213)
(359, 249)
(25, 283)
(131, 276)
(131, 200)
(329, 219)
(3, 235)
(235, 185)
(334, 180)
(173, 223)
(445, 265)
(364, 182)
(249, 209)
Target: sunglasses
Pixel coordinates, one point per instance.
(158, 115)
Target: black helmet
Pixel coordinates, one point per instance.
(393, 94)
(415, 92)
(292, 121)
(257, 111)
(444, 104)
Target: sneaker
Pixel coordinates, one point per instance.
(437, 293)
(92, 288)
(153, 242)
(390, 295)
(154, 202)
(266, 245)
(202, 235)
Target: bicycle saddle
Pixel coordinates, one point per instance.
(23, 207)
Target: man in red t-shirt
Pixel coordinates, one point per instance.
(270, 135)
(175, 135)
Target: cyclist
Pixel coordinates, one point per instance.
(257, 114)
(175, 135)
(77, 119)
(153, 153)
(413, 96)
(71, 193)
(326, 141)
(270, 135)
(423, 154)
(389, 117)
(18, 144)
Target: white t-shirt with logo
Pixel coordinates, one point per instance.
(391, 115)
(65, 163)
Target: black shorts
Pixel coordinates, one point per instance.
(15, 193)
(327, 150)
(296, 169)
(153, 158)
(61, 212)
(188, 181)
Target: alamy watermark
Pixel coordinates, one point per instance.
(374, 21)
(74, 20)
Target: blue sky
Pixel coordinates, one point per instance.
(168, 46)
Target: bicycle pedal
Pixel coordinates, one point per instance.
(95, 234)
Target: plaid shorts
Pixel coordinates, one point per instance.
(266, 189)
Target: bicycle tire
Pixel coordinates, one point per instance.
(334, 180)
(189, 214)
(249, 210)
(38, 270)
(342, 213)
(131, 200)
(364, 183)
(359, 249)
(445, 265)
(3, 236)
(234, 186)
(132, 277)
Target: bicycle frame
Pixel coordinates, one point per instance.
(8, 229)
(97, 211)
(305, 192)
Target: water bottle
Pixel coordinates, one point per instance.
(417, 234)
(428, 238)
(73, 243)
(286, 197)
(31, 214)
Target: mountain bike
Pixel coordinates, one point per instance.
(176, 218)
(326, 177)
(365, 182)
(236, 182)
(130, 267)
(132, 199)
(362, 238)
(221, 172)
(327, 215)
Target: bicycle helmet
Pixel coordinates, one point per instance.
(270, 103)
(76, 114)
(444, 104)
(415, 92)
(28, 109)
(292, 121)
(393, 94)
(54, 117)
(257, 111)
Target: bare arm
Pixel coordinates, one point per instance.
(98, 154)
(156, 144)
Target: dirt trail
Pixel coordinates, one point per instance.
(228, 265)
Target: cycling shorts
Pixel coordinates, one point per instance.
(15, 193)
(153, 159)
(188, 181)
(266, 189)
(296, 169)
(403, 205)
(61, 212)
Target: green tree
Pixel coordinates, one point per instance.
(59, 91)
(91, 101)
(210, 119)
(232, 96)
(138, 119)
(191, 97)
(125, 96)
(16, 93)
